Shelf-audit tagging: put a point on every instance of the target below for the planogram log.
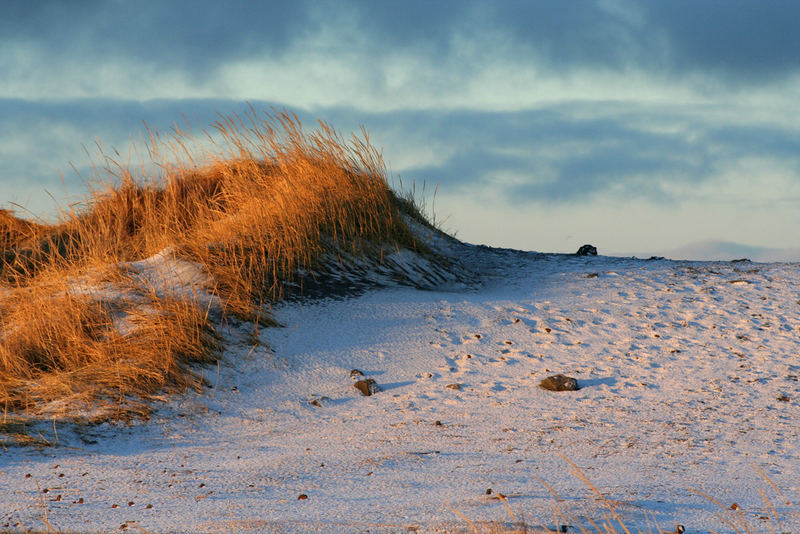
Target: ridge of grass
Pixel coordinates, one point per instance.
(262, 199)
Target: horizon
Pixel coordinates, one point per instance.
(637, 128)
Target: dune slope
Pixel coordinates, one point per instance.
(688, 377)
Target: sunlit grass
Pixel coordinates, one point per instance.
(265, 199)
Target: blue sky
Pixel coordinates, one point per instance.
(639, 127)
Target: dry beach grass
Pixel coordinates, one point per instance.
(263, 199)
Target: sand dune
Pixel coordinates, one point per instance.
(688, 377)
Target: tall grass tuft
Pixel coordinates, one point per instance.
(259, 200)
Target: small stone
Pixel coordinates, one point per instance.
(319, 402)
(367, 387)
(559, 382)
(355, 373)
(302, 497)
(437, 423)
(488, 491)
(587, 250)
(592, 275)
(453, 386)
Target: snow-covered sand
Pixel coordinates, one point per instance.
(689, 383)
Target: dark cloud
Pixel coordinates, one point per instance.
(43, 144)
(572, 34)
(192, 36)
(778, 142)
(744, 41)
(546, 156)
(552, 156)
(748, 40)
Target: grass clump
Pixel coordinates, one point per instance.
(87, 320)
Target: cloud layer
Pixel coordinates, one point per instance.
(603, 107)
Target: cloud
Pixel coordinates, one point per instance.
(727, 251)
(744, 41)
(45, 142)
(631, 178)
(554, 155)
(390, 55)
(573, 108)
(559, 154)
(194, 37)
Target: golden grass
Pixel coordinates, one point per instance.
(264, 199)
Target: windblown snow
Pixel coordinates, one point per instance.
(688, 375)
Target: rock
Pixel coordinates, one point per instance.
(453, 386)
(319, 402)
(587, 250)
(559, 383)
(355, 373)
(367, 387)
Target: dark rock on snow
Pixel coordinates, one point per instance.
(559, 383)
(367, 386)
(319, 402)
(587, 250)
(355, 373)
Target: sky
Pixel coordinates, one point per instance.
(639, 127)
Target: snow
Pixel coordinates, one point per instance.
(166, 274)
(689, 383)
